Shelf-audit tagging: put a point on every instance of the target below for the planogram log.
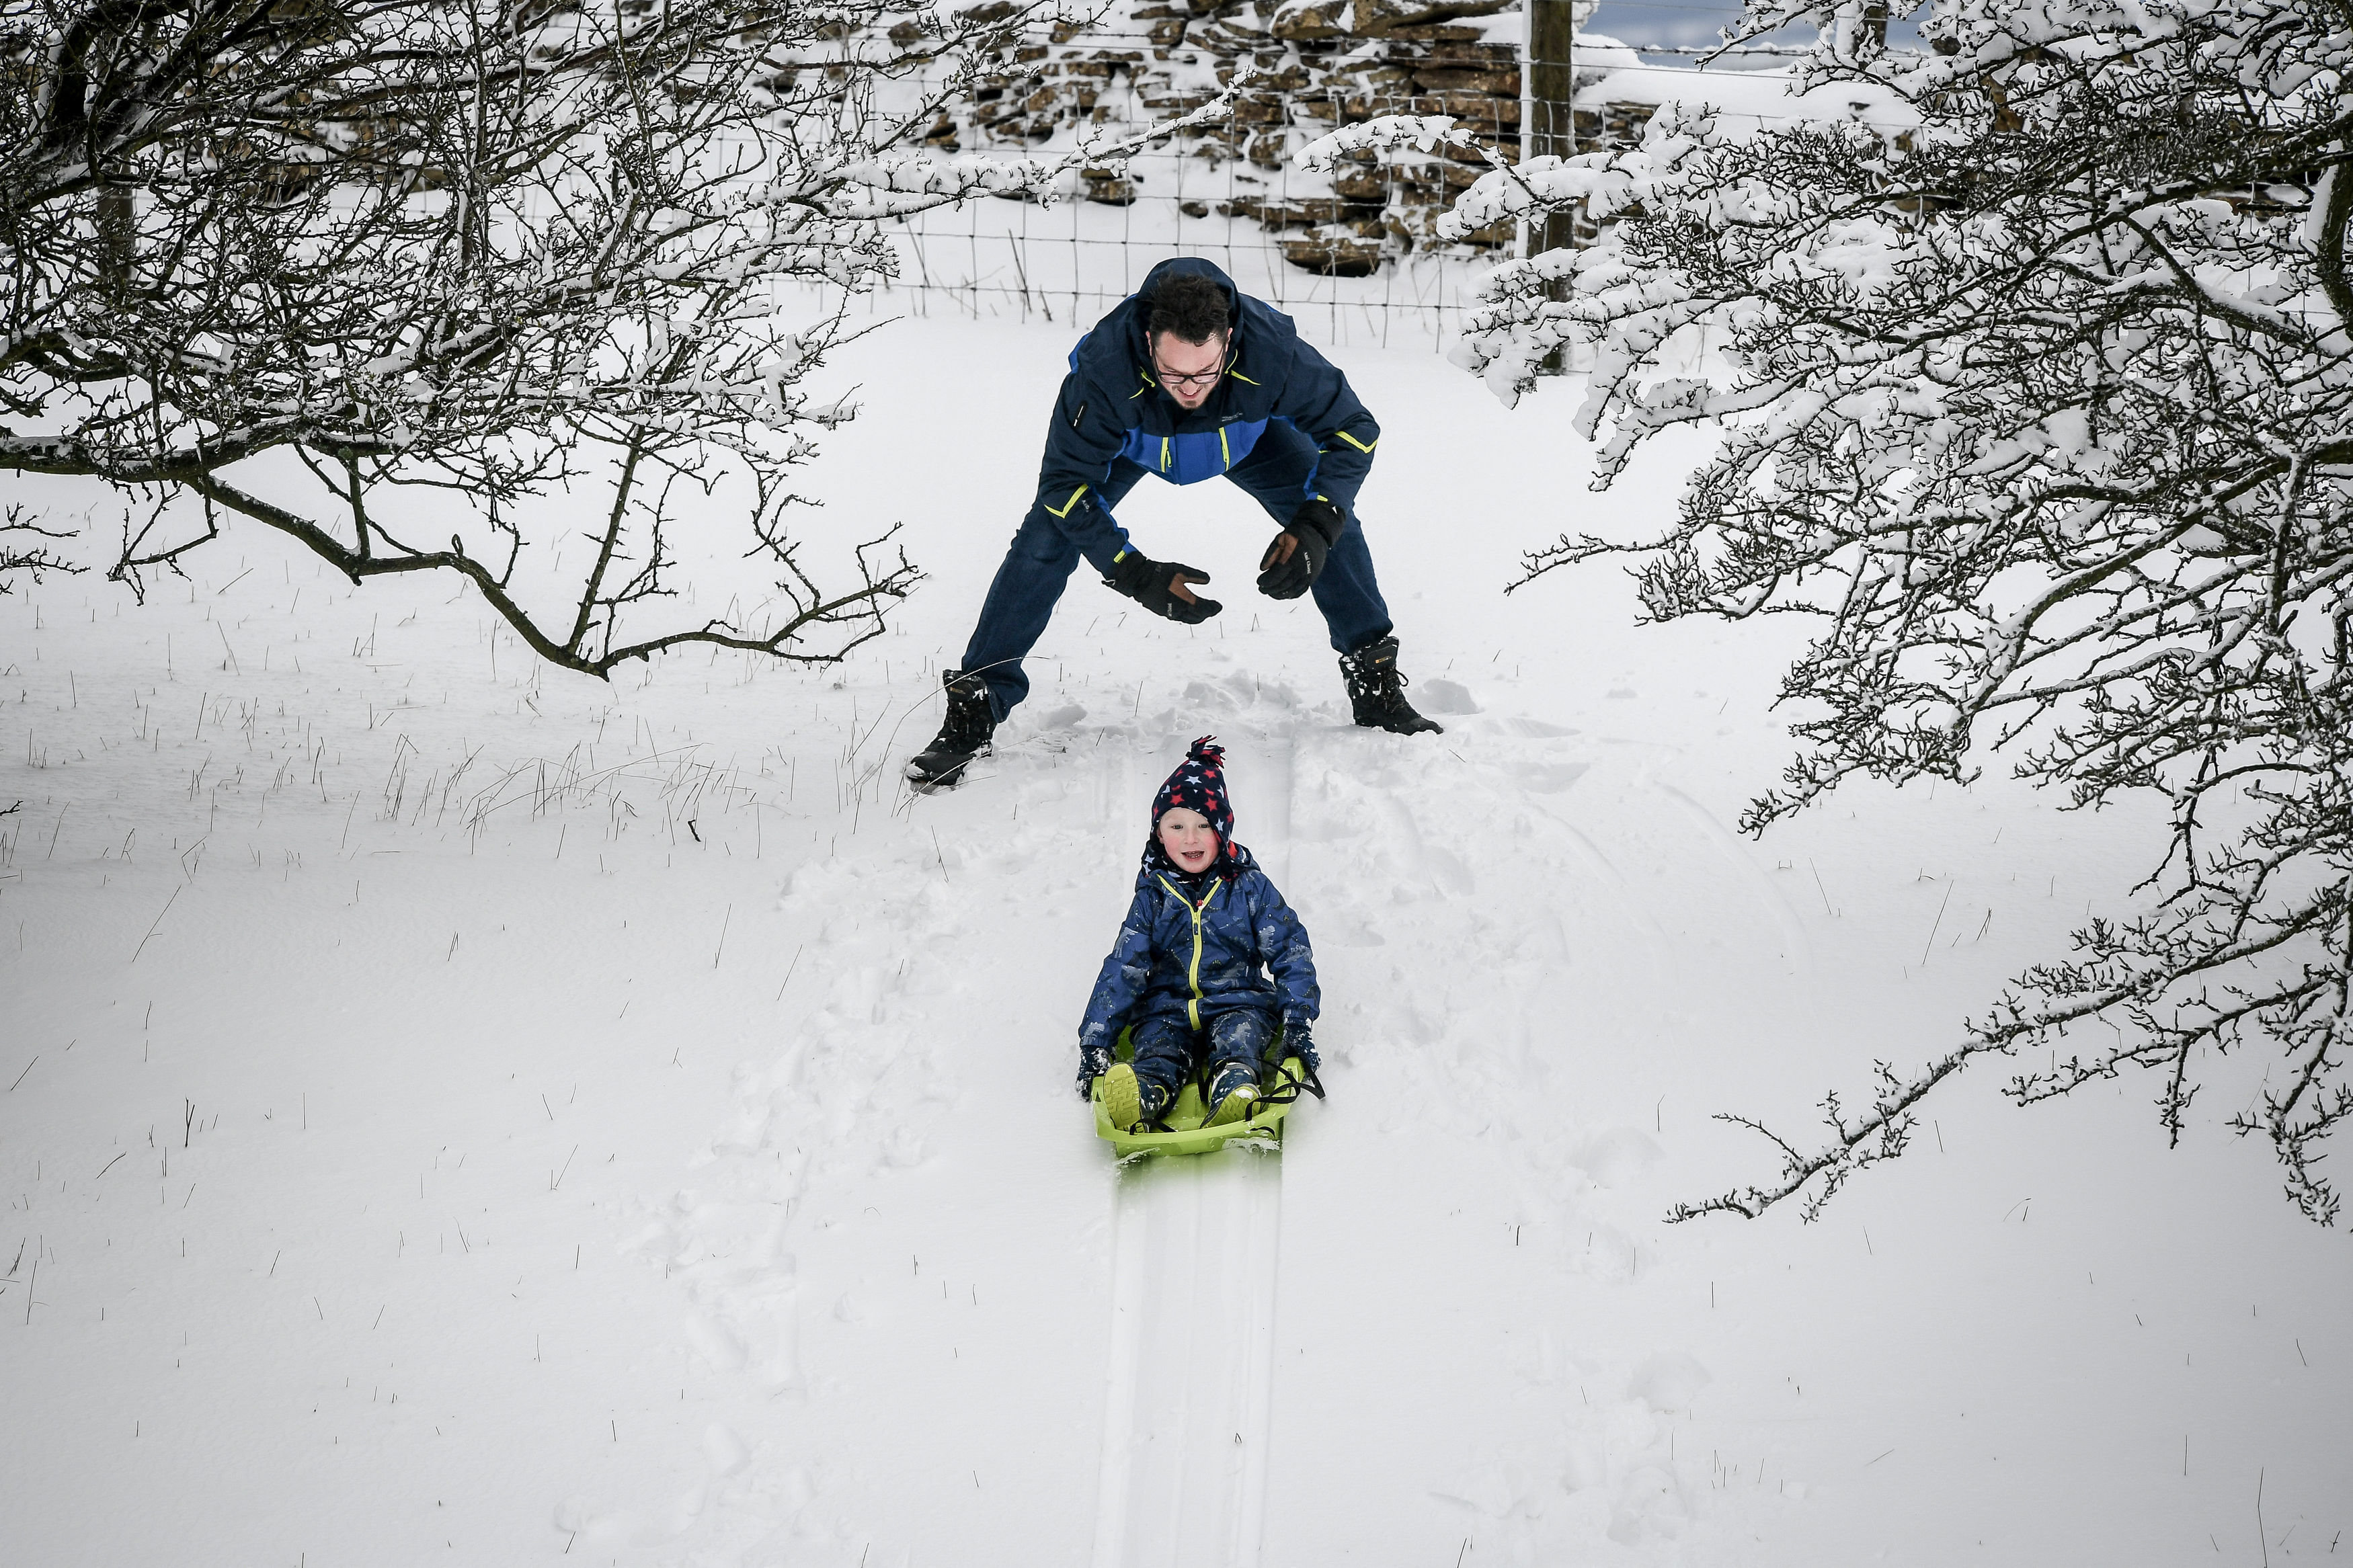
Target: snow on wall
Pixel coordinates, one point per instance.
(1352, 253)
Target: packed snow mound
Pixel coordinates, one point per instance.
(456, 1112)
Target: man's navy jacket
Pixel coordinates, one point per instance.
(1112, 407)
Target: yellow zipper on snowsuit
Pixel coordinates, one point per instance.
(1193, 977)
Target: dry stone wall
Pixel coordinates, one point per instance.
(1320, 64)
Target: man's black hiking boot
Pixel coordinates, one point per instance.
(964, 733)
(1377, 691)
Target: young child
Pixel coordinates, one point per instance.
(1186, 969)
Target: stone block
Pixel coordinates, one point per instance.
(1437, 32)
(1438, 174)
(1467, 56)
(1307, 19)
(1227, 35)
(1479, 109)
(1492, 83)
(1311, 212)
(1371, 76)
(1335, 256)
(1111, 189)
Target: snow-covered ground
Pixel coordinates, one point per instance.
(441, 1126)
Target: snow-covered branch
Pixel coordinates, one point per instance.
(468, 249)
(911, 180)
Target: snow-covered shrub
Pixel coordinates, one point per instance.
(2037, 398)
(454, 256)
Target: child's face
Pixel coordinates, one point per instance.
(1188, 838)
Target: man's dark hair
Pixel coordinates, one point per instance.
(1190, 306)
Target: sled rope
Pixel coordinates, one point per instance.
(1288, 1085)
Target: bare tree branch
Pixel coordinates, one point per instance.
(2038, 401)
(33, 561)
(469, 248)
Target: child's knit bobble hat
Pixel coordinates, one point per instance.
(1198, 784)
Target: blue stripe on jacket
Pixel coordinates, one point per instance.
(1193, 455)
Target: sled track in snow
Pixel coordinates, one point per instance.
(1185, 1430)
(1195, 1254)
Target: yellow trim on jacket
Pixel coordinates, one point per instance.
(1193, 976)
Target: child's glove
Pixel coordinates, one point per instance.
(1093, 1062)
(1298, 1042)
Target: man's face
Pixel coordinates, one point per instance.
(1188, 372)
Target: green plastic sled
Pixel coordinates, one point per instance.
(1181, 1131)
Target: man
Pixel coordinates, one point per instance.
(1188, 379)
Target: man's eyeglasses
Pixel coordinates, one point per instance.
(1196, 378)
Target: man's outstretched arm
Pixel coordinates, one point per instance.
(1318, 399)
(1315, 398)
(1080, 446)
(1081, 443)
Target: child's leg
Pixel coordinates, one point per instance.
(1237, 1042)
(1163, 1054)
(1240, 1037)
(1137, 1094)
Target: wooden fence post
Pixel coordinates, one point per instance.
(1548, 123)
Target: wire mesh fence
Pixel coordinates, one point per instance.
(1353, 257)
(1072, 261)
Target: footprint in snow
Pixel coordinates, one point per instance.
(1618, 1156)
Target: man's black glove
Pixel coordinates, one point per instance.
(1315, 530)
(1152, 585)
(1093, 1062)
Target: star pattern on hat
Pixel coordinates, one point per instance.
(1198, 784)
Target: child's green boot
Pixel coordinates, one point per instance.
(1233, 1094)
(1131, 1101)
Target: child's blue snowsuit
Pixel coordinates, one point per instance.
(1187, 973)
